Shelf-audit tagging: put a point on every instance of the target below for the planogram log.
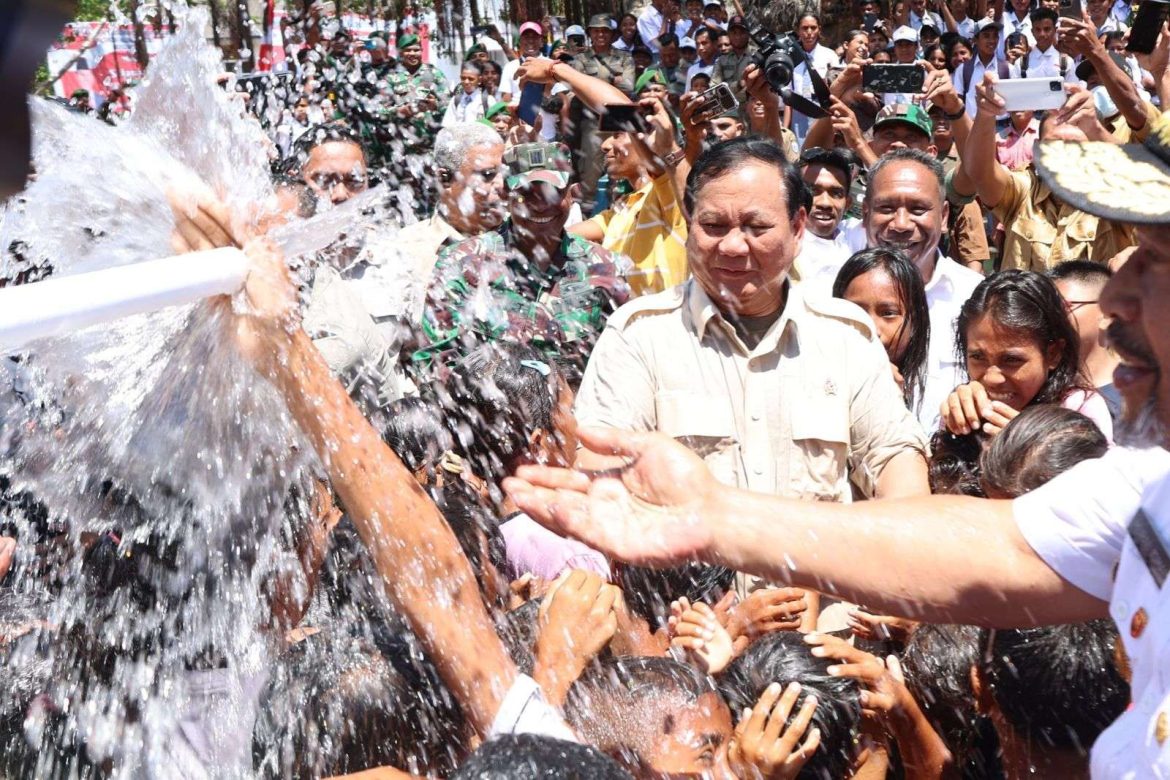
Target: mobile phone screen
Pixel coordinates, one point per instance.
(1147, 25)
(893, 78)
(530, 99)
(620, 118)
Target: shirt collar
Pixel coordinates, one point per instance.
(942, 280)
(702, 310)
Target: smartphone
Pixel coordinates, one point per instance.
(1072, 9)
(868, 21)
(530, 99)
(478, 30)
(1147, 25)
(718, 100)
(893, 78)
(623, 118)
(1038, 94)
(1014, 40)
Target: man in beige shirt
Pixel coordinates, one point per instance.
(778, 392)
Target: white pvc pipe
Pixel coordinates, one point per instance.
(65, 304)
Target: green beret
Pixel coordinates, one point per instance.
(497, 108)
(408, 40)
(650, 76)
(476, 49)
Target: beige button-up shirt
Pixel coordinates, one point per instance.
(813, 405)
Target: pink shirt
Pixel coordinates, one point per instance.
(1015, 149)
(1093, 406)
(533, 549)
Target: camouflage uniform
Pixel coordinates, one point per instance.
(411, 138)
(729, 69)
(484, 290)
(617, 68)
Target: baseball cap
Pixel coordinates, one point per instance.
(927, 26)
(600, 20)
(907, 113)
(985, 23)
(905, 33)
(575, 29)
(1124, 183)
(537, 163)
(687, 43)
(737, 21)
(531, 26)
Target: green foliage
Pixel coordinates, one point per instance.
(95, 10)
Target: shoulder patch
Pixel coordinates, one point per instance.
(647, 305)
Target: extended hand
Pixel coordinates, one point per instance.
(763, 747)
(695, 628)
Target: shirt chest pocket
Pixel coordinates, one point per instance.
(819, 459)
(1080, 235)
(1034, 238)
(705, 425)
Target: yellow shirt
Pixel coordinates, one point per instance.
(649, 228)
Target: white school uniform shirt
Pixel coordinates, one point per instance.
(948, 289)
(650, 27)
(917, 21)
(965, 27)
(976, 78)
(697, 68)
(1013, 24)
(822, 58)
(1047, 63)
(820, 259)
(1103, 525)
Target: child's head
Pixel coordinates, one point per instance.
(1016, 339)
(1042, 442)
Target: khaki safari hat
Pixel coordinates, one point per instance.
(1123, 183)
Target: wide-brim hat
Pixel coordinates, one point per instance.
(1123, 183)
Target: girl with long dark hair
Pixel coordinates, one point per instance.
(888, 286)
(1020, 349)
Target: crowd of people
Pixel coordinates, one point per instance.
(664, 436)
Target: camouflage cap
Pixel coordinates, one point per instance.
(537, 162)
(599, 20)
(907, 113)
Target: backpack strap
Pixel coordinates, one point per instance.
(968, 71)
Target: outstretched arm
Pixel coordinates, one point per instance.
(423, 569)
(947, 559)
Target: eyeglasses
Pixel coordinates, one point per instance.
(1074, 305)
(327, 181)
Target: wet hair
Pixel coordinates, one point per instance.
(1028, 301)
(906, 154)
(506, 392)
(1040, 14)
(476, 530)
(337, 705)
(1083, 271)
(1041, 442)
(318, 135)
(1057, 686)
(453, 144)
(840, 160)
(728, 156)
(624, 705)
(416, 430)
(912, 295)
(537, 757)
(649, 592)
(953, 468)
(937, 662)
(783, 657)
(519, 630)
(306, 199)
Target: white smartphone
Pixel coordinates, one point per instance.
(1039, 94)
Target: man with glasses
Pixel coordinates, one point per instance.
(1080, 283)
(529, 280)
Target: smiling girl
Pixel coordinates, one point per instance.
(1020, 349)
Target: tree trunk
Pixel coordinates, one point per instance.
(140, 52)
(241, 29)
(213, 9)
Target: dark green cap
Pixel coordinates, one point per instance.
(409, 39)
(599, 20)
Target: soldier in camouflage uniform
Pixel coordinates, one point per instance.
(729, 67)
(418, 93)
(529, 280)
(608, 64)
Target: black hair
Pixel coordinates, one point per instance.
(649, 592)
(1084, 271)
(953, 468)
(807, 15)
(728, 156)
(837, 158)
(1041, 442)
(1028, 301)
(668, 39)
(937, 662)
(417, 432)
(493, 66)
(929, 50)
(1113, 35)
(318, 135)
(337, 705)
(537, 757)
(1040, 14)
(705, 31)
(856, 31)
(1058, 687)
(783, 657)
(519, 630)
(906, 154)
(622, 704)
(912, 295)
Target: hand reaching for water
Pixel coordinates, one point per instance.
(764, 746)
(654, 511)
(268, 313)
(7, 553)
(202, 222)
(695, 628)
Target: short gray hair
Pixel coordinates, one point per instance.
(453, 143)
(928, 161)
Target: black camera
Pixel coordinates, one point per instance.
(778, 56)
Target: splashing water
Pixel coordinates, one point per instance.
(155, 435)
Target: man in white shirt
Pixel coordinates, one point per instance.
(919, 15)
(707, 46)
(531, 39)
(906, 208)
(957, 19)
(986, 59)
(656, 20)
(825, 248)
(822, 58)
(1044, 59)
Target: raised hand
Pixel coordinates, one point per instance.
(879, 627)
(884, 691)
(765, 745)
(767, 610)
(576, 620)
(696, 629)
(968, 408)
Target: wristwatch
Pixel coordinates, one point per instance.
(674, 158)
(957, 115)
